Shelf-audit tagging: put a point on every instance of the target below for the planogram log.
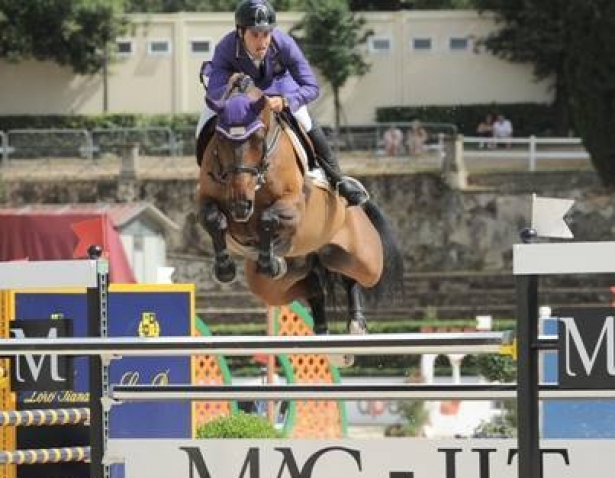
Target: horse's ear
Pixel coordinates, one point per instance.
(258, 105)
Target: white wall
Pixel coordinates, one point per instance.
(166, 84)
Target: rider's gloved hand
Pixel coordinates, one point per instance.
(276, 103)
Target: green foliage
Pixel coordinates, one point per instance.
(96, 121)
(415, 417)
(496, 368)
(170, 6)
(590, 69)
(330, 35)
(238, 425)
(504, 426)
(74, 33)
(571, 42)
(535, 32)
(527, 118)
(392, 5)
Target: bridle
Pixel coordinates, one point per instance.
(269, 145)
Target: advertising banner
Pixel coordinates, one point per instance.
(382, 458)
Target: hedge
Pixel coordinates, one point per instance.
(527, 118)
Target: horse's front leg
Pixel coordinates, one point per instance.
(281, 216)
(215, 223)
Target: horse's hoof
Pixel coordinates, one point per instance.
(276, 268)
(357, 327)
(341, 360)
(225, 274)
(281, 267)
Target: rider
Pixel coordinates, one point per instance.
(279, 68)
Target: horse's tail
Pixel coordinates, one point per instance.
(390, 285)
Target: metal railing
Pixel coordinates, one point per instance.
(442, 147)
(531, 148)
(371, 137)
(46, 143)
(152, 140)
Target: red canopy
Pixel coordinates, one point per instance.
(40, 236)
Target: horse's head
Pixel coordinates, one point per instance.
(238, 156)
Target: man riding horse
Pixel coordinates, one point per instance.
(278, 67)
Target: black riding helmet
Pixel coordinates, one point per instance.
(255, 14)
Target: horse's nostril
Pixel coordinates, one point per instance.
(242, 210)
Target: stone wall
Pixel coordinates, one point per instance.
(440, 229)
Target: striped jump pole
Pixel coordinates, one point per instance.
(93, 274)
(46, 417)
(45, 455)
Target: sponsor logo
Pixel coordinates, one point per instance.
(41, 372)
(587, 353)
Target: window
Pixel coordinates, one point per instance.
(421, 44)
(159, 47)
(379, 45)
(124, 47)
(200, 46)
(458, 44)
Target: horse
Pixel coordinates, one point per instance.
(257, 199)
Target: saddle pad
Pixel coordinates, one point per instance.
(316, 175)
(319, 179)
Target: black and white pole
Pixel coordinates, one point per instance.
(526, 286)
(97, 303)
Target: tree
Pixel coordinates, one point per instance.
(169, 6)
(534, 31)
(573, 43)
(73, 33)
(392, 5)
(331, 36)
(590, 69)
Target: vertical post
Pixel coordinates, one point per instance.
(527, 372)
(532, 153)
(97, 312)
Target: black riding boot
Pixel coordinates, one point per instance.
(349, 188)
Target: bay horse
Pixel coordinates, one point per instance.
(257, 200)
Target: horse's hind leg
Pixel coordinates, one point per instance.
(216, 225)
(317, 303)
(357, 324)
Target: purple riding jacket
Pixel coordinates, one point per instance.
(285, 70)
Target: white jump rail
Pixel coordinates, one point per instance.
(376, 344)
(409, 391)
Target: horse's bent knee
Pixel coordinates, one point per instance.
(211, 217)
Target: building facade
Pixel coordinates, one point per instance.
(417, 58)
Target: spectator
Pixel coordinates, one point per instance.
(502, 129)
(485, 130)
(417, 137)
(393, 139)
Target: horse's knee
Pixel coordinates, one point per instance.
(211, 217)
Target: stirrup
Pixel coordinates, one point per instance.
(359, 190)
